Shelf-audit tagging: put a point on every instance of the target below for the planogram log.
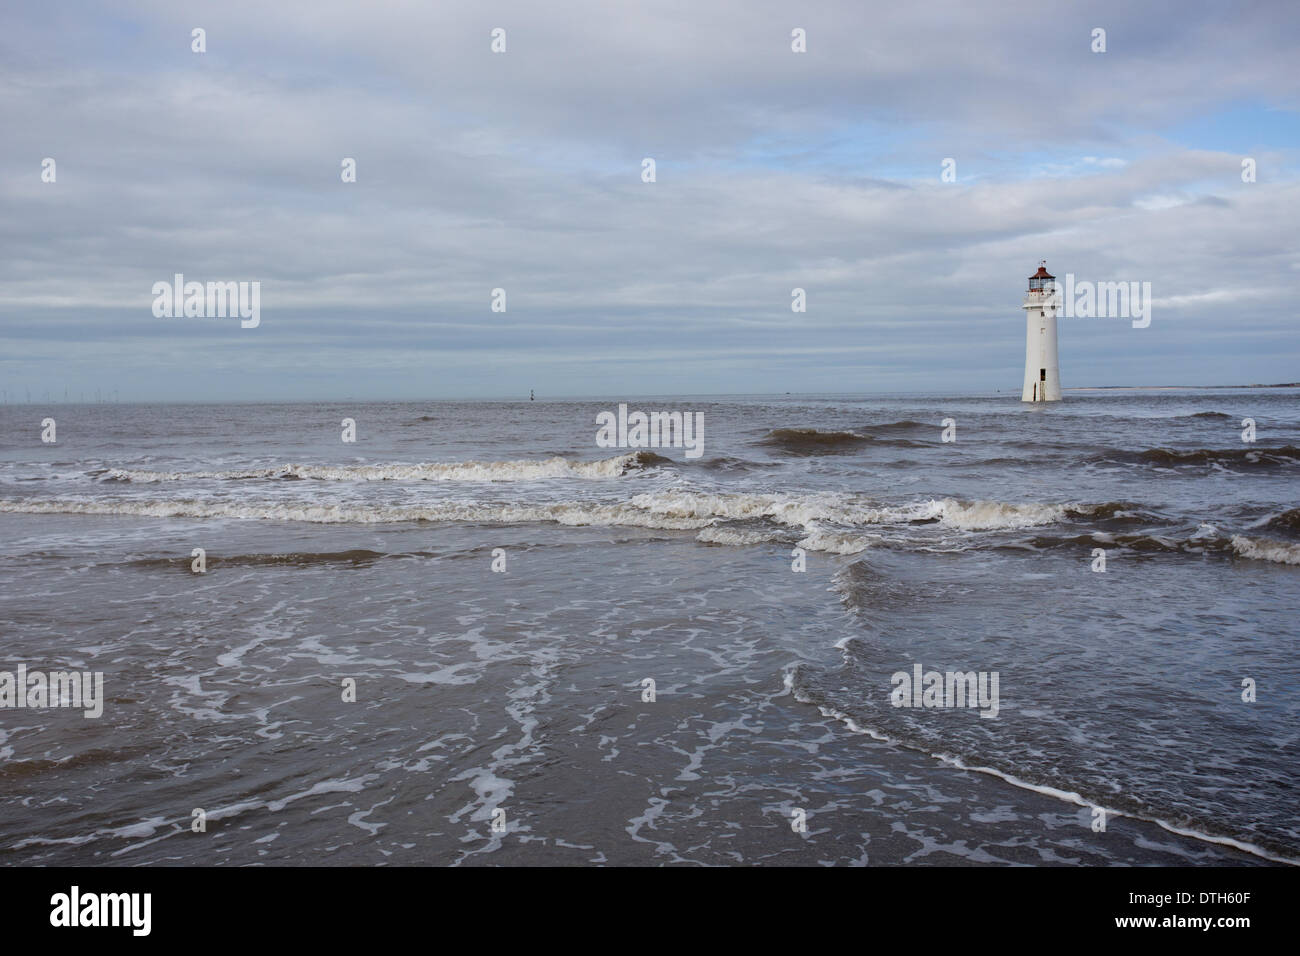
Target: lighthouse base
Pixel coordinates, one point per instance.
(1041, 385)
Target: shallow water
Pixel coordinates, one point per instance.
(520, 692)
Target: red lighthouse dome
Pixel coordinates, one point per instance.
(1042, 279)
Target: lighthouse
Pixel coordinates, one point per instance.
(1042, 374)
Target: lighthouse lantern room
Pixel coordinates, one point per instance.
(1042, 372)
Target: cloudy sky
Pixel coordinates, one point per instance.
(522, 170)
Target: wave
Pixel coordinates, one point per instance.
(995, 515)
(724, 465)
(1140, 543)
(791, 510)
(1209, 415)
(863, 588)
(906, 425)
(811, 511)
(1286, 521)
(835, 543)
(566, 513)
(434, 471)
(814, 514)
(355, 557)
(1266, 549)
(1122, 513)
(1168, 457)
(1206, 540)
(813, 441)
(737, 537)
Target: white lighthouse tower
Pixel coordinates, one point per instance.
(1042, 374)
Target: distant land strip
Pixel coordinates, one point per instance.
(1169, 388)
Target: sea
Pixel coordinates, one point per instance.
(476, 636)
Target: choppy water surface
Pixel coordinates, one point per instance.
(521, 691)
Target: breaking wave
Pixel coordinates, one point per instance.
(567, 513)
(836, 543)
(820, 516)
(1266, 549)
(848, 510)
(433, 471)
(994, 515)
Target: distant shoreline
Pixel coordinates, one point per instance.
(1168, 388)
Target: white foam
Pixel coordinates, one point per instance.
(996, 515)
(835, 543)
(430, 471)
(803, 511)
(1266, 549)
(716, 535)
(813, 514)
(1067, 796)
(567, 513)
